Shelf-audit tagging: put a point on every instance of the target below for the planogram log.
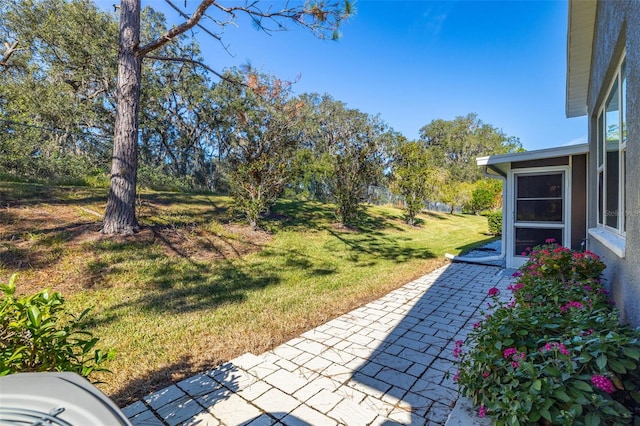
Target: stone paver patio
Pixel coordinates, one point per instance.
(384, 363)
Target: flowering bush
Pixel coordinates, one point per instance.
(556, 352)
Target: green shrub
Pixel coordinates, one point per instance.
(486, 194)
(37, 334)
(495, 222)
(556, 353)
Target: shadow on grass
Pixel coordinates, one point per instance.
(176, 287)
(417, 222)
(313, 215)
(179, 243)
(296, 260)
(110, 257)
(16, 194)
(187, 198)
(156, 209)
(369, 223)
(291, 215)
(376, 245)
(42, 247)
(435, 215)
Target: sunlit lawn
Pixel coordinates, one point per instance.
(202, 289)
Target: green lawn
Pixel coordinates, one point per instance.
(196, 287)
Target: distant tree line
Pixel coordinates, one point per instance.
(239, 131)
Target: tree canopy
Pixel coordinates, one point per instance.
(187, 126)
(58, 87)
(455, 144)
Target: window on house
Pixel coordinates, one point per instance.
(612, 158)
(611, 155)
(623, 140)
(600, 169)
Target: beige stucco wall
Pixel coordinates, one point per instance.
(617, 27)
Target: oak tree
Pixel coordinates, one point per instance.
(58, 87)
(455, 144)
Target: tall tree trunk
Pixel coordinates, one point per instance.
(120, 215)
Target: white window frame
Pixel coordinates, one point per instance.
(611, 237)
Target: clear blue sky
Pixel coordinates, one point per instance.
(415, 61)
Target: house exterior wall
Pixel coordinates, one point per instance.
(618, 27)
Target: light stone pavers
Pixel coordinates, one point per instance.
(389, 362)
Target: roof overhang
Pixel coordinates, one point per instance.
(502, 162)
(582, 17)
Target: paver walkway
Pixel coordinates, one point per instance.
(384, 363)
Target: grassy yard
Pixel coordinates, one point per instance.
(196, 287)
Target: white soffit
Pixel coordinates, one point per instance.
(582, 16)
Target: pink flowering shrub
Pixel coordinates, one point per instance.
(555, 353)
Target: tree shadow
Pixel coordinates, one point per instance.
(179, 288)
(412, 363)
(176, 399)
(403, 356)
(378, 246)
(311, 215)
(273, 418)
(167, 198)
(417, 222)
(155, 210)
(291, 215)
(367, 222)
(191, 401)
(34, 247)
(312, 266)
(28, 194)
(435, 215)
(205, 244)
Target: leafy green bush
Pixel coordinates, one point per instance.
(556, 353)
(486, 195)
(495, 222)
(37, 334)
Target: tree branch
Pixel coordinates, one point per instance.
(184, 15)
(316, 18)
(176, 31)
(199, 63)
(9, 49)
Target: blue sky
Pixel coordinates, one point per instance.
(415, 61)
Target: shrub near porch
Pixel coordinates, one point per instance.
(556, 353)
